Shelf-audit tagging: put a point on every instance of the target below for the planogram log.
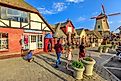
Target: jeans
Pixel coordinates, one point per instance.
(58, 58)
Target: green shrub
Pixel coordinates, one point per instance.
(105, 47)
(77, 64)
(113, 46)
(99, 48)
(88, 59)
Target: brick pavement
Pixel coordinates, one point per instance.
(41, 69)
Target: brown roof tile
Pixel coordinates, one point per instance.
(21, 4)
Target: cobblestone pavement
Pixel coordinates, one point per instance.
(41, 69)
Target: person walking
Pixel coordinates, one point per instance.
(69, 57)
(81, 51)
(59, 50)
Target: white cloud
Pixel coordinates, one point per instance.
(56, 7)
(45, 11)
(81, 19)
(59, 6)
(110, 22)
(95, 13)
(75, 1)
(119, 21)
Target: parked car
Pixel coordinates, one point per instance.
(118, 54)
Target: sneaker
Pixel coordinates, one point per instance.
(56, 66)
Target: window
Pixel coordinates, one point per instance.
(98, 26)
(13, 14)
(39, 41)
(33, 38)
(25, 42)
(3, 41)
(70, 29)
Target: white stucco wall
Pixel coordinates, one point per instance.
(5, 21)
(83, 33)
(24, 24)
(15, 24)
(37, 25)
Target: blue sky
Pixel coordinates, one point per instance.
(79, 11)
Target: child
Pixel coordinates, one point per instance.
(69, 57)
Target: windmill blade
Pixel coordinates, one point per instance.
(93, 17)
(103, 8)
(114, 14)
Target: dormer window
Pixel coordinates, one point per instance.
(13, 14)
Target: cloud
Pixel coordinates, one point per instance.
(56, 7)
(95, 13)
(74, 1)
(119, 21)
(59, 6)
(110, 22)
(81, 19)
(45, 11)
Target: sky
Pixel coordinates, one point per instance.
(78, 11)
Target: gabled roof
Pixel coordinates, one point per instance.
(22, 5)
(63, 24)
(79, 31)
(58, 32)
(76, 35)
(96, 33)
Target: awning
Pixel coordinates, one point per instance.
(48, 35)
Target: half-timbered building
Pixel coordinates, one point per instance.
(22, 27)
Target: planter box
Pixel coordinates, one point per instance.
(88, 67)
(78, 73)
(105, 50)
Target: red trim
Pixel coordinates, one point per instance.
(6, 50)
(19, 55)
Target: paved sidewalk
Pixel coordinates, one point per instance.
(41, 69)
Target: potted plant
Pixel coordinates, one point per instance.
(105, 49)
(88, 63)
(100, 49)
(78, 69)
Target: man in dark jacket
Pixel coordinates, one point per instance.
(58, 48)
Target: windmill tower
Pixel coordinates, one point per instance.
(101, 24)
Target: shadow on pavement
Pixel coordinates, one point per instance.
(54, 55)
(52, 62)
(50, 71)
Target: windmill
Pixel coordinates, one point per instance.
(101, 24)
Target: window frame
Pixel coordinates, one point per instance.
(40, 41)
(13, 17)
(5, 40)
(32, 39)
